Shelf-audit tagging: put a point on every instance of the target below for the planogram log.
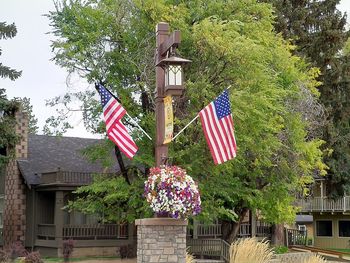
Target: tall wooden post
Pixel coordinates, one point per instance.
(58, 220)
(162, 33)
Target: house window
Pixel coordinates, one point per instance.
(324, 228)
(344, 228)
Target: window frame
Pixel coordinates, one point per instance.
(339, 227)
(316, 228)
(302, 228)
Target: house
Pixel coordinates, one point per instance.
(38, 183)
(331, 217)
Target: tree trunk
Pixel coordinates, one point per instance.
(278, 235)
(230, 229)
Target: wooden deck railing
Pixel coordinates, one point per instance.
(84, 232)
(325, 204)
(212, 230)
(244, 230)
(63, 177)
(100, 231)
(46, 231)
(205, 247)
(262, 230)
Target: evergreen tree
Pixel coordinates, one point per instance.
(8, 137)
(8, 31)
(28, 108)
(318, 30)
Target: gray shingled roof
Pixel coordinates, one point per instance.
(50, 153)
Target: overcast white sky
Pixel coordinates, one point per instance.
(30, 52)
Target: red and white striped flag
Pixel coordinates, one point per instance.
(218, 129)
(113, 112)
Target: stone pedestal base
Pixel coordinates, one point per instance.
(161, 240)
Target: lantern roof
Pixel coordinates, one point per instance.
(173, 60)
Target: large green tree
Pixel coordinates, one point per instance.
(229, 43)
(8, 135)
(318, 29)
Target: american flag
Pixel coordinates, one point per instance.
(113, 112)
(218, 129)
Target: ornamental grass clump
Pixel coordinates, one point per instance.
(171, 192)
(249, 250)
(315, 259)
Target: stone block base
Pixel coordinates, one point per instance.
(161, 240)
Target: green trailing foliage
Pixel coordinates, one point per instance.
(229, 43)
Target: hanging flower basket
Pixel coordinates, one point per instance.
(171, 192)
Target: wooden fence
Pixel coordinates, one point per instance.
(296, 237)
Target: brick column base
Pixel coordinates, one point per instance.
(161, 240)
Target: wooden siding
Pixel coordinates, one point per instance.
(45, 202)
(335, 241)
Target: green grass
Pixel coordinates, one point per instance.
(52, 259)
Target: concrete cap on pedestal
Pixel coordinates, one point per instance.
(161, 222)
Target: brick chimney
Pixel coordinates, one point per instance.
(15, 188)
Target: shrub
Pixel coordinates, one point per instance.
(128, 251)
(4, 256)
(280, 250)
(310, 241)
(33, 257)
(17, 250)
(67, 250)
(249, 250)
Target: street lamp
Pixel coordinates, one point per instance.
(169, 81)
(174, 77)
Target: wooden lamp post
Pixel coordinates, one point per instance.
(169, 81)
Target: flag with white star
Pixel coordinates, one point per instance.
(217, 124)
(113, 112)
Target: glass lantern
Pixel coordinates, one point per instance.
(174, 81)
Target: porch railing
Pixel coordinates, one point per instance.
(324, 204)
(46, 231)
(262, 230)
(244, 230)
(99, 231)
(59, 177)
(216, 248)
(84, 232)
(212, 230)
